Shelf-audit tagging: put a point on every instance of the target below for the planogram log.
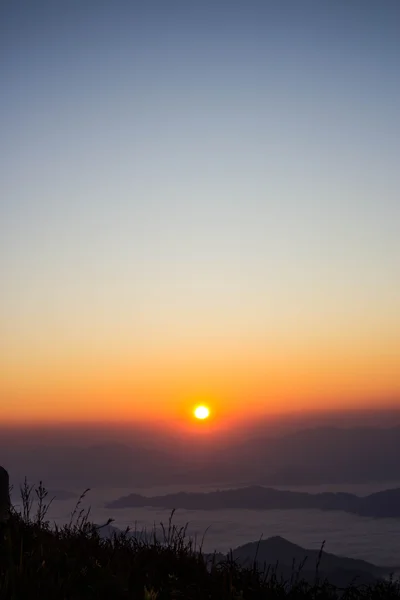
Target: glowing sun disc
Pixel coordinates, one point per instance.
(201, 412)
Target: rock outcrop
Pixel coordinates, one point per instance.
(4, 495)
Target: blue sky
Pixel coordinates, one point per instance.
(175, 170)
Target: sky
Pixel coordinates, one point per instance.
(199, 203)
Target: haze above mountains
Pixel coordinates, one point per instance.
(292, 453)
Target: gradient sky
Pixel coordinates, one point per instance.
(198, 201)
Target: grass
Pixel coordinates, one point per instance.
(74, 562)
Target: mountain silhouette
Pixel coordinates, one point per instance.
(378, 505)
(286, 558)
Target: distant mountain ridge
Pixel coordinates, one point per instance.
(379, 505)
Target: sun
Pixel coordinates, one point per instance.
(201, 412)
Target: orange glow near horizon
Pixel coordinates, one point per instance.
(59, 388)
(63, 375)
(177, 229)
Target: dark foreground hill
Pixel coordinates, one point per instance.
(378, 505)
(288, 560)
(78, 562)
